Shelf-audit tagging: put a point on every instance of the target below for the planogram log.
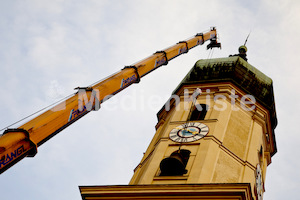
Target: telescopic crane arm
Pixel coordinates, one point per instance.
(23, 141)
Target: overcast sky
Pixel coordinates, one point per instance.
(47, 48)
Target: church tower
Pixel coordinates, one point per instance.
(214, 137)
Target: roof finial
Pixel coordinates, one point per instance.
(247, 38)
(243, 49)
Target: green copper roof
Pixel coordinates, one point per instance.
(230, 68)
(236, 70)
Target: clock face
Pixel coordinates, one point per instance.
(259, 183)
(189, 132)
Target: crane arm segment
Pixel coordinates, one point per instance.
(23, 141)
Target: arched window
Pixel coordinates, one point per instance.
(175, 164)
(198, 112)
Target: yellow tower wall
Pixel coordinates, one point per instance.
(237, 140)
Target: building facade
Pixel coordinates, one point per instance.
(214, 138)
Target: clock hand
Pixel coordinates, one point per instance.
(183, 129)
(193, 132)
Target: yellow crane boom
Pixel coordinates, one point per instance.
(23, 141)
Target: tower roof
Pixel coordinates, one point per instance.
(238, 71)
